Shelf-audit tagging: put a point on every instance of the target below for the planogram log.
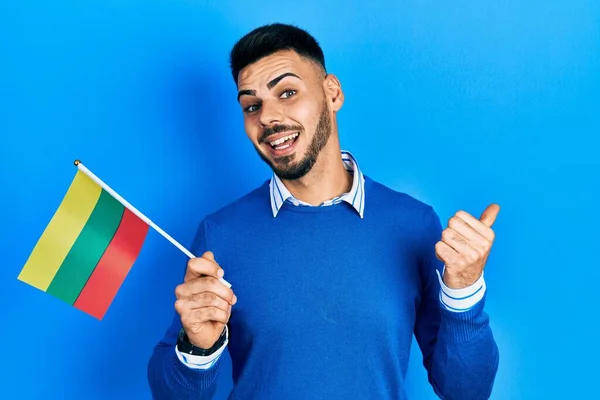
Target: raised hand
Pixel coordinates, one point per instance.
(465, 246)
(203, 302)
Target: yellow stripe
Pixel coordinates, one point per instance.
(62, 231)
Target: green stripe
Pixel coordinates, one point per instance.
(87, 250)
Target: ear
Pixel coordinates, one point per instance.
(333, 91)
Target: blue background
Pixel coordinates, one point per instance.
(457, 103)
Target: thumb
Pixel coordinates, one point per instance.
(489, 215)
(209, 256)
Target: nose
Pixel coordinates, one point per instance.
(270, 113)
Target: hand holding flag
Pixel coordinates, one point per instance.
(203, 302)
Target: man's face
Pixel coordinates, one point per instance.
(286, 114)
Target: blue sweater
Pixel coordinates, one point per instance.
(328, 304)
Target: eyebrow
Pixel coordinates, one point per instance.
(270, 85)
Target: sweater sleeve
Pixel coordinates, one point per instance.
(459, 350)
(168, 375)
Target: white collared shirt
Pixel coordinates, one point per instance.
(355, 197)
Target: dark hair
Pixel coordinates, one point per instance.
(268, 39)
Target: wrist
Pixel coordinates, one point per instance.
(184, 344)
(461, 300)
(462, 280)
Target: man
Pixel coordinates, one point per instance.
(332, 272)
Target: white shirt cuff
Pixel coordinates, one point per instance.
(461, 300)
(202, 362)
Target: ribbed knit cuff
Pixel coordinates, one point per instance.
(463, 326)
(188, 378)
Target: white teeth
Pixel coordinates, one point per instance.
(283, 139)
(285, 146)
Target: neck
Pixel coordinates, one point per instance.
(327, 179)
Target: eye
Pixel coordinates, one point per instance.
(251, 108)
(288, 93)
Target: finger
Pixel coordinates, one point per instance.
(488, 217)
(202, 266)
(445, 253)
(204, 284)
(456, 241)
(477, 225)
(472, 237)
(460, 245)
(206, 314)
(206, 299)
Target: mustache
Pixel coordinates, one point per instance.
(277, 129)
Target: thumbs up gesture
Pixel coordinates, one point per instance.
(465, 246)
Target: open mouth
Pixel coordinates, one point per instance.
(284, 145)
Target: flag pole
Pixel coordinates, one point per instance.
(134, 210)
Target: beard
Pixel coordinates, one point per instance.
(284, 167)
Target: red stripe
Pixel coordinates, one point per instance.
(113, 267)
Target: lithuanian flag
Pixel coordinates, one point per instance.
(89, 246)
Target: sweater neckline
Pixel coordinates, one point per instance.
(325, 209)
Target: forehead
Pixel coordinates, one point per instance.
(261, 71)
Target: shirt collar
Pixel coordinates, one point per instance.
(355, 197)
